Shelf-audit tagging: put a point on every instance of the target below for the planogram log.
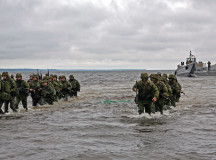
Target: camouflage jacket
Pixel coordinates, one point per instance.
(146, 90)
(22, 87)
(75, 85)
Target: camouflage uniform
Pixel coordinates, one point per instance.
(179, 87)
(35, 90)
(75, 86)
(66, 87)
(9, 92)
(47, 92)
(163, 92)
(167, 101)
(30, 79)
(146, 92)
(23, 91)
(175, 89)
(57, 85)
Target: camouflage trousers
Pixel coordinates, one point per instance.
(12, 104)
(1, 103)
(159, 104)
(72, 93)
(146, 106)
(24, 102)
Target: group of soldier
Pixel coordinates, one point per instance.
(152, 95)
(157, 93)
(44, 90)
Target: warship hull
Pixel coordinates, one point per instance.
(186, 70)
(205, 73)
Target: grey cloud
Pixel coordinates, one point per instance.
(87, 32)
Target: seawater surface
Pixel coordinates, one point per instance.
(103, 123)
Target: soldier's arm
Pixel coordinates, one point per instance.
(78, 85)
(69, 86)
(136, 86)
(155, 91)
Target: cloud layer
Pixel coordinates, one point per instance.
(105, 34)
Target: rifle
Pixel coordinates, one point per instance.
(183, 93)
(165, 97)
(48, 73)
(136, 98)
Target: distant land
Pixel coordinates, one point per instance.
(35, 70)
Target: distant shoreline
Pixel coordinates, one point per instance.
(53, 70)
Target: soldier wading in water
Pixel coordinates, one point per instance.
(147, 94)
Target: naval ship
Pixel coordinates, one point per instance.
(187, 70)
(194, 68)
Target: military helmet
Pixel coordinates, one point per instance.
(159, 74)
(44, 81)
(175, 77)
(154, 76)
(18, 75)
(34, 76)
(12, 76)
(55, 76)
(171, 76)
(71, 76)
(63, 77)
(144, 75)
(50, 77)
(45, 77)
(5, 74)
(164, 75)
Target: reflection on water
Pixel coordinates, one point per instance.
(89, 128)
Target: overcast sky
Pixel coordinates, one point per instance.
(105, 34)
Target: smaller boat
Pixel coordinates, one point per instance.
(188, 69)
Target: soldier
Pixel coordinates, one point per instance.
(147, 93)
(30, 78)
(66, 87)
(179, 87)
(175, 89)
(167, 101)
(47, 92)
(57, 85)
(50, 83)
(1, 95)
(12, 77)
(9, 87)
(23, 91)
(35, 90)
(75, 86)
(163, 92)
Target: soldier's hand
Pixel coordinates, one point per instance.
(134, 89)
(31, 89)
(154, 99)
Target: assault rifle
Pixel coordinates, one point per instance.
(183, 93)
(23, 90)
(165, 97)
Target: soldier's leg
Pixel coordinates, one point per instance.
(1, 103)
(34, 102)
(157, 108)
(66, 97)
(75, 94)
(140, 107)
(149, 107)
(161, 105)
(17, 102)
(12, 104)
(24, 103)
(6, 106)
